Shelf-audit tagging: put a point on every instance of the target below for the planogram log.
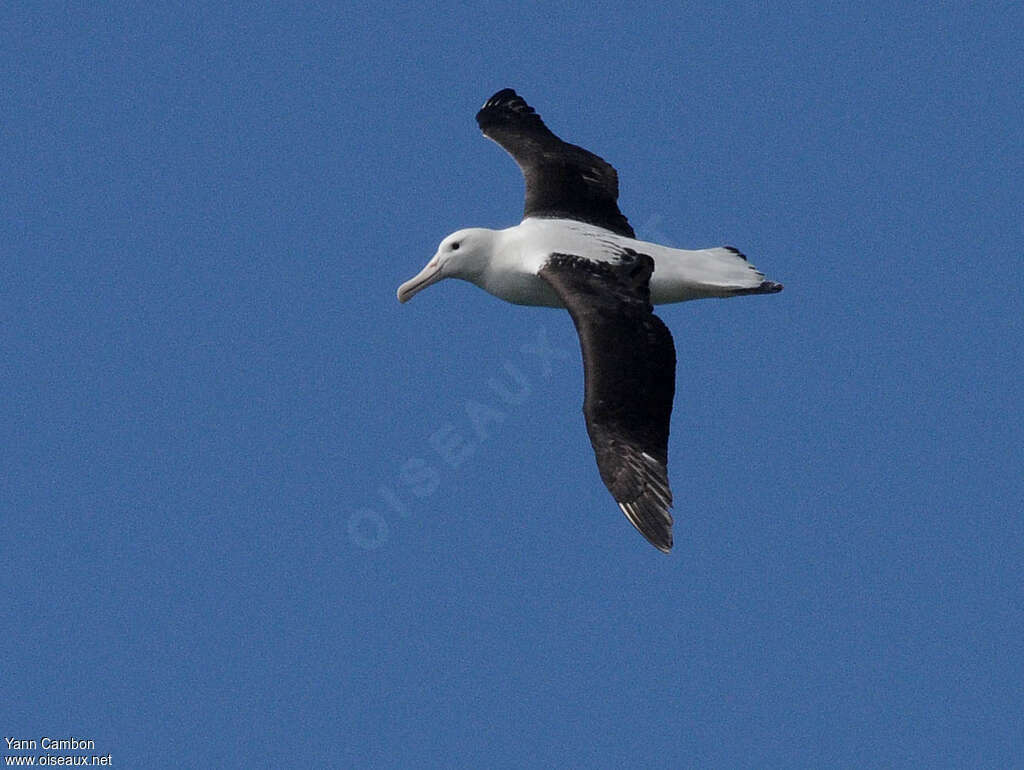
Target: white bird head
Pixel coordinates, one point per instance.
(463, 254)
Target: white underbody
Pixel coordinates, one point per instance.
(679, 275)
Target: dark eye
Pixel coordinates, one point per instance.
(455, 246)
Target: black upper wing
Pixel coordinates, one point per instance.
(629, 365)
(562, 180)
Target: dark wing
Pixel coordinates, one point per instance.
(562, 180)
(629, 365)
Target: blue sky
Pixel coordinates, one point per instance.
(229, 536)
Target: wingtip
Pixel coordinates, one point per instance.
(652, 520)
(502, 94)
(665, 546)
(505, 106)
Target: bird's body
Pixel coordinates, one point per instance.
(516, 255)
(575, 250)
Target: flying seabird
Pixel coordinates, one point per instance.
(574, 249)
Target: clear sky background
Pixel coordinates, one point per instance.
(228, 536)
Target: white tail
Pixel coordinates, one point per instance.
(681, 275)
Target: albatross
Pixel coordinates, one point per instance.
(574, 249)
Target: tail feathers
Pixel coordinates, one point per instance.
(765, 287)
(722, 271)
(727, 268)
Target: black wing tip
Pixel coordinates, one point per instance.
(647, 506)
(660, 539)
(506, 104)
(651, 520)
(502, 95)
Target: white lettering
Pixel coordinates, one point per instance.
(509, 396)
(388, 495)
(545, 351)
(19, 744)
(356, 525)
(419, 476)
(452, 447)
(64, 744)
(481, 414)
